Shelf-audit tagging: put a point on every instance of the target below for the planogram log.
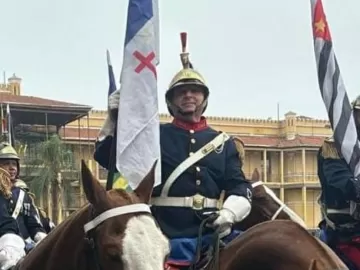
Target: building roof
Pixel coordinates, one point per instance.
(84, 134)
(40, 111)
(36, 101)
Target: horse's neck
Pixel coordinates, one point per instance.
(243, 252)
(63, 248)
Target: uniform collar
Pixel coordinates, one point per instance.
(191, 126)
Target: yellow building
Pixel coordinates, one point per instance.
(288, 146)
(284, 151)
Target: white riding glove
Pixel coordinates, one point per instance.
(113, 101)
(109, 125)
(39, 237)
(51, 225)
(235, 209)
(12, 249)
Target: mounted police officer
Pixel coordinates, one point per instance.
(339, 200)
(45, 220)
(199, 164)
(19, 219)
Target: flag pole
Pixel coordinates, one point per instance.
(112, 157)
(113, 115)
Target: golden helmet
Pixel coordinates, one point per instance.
(356, 103)
(186, 76)
(8, 152)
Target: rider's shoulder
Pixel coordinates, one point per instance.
(164, 125)
(328, 149)
(21, 184)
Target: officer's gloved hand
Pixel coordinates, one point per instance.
(108, 127)
(235, 209)
(39, 237)
(51, 225)
(12, 249)
(223, 222)
(113, 101)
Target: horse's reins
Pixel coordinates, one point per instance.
(282, 205)
(215, 245)
(114, 212)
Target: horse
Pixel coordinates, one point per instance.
(268, 220)
(277, 245)
(266, 206)
(114, 231)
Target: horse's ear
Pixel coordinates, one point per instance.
(255, 175)
(93, 190)
(144, 190)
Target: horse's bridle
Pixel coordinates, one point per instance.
(114, 212)
(282, 205)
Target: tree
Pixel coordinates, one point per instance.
(45, 172)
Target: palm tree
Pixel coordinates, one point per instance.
(45, 172)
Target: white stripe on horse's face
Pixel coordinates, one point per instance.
(144, 245)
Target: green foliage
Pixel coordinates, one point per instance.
(52, 157)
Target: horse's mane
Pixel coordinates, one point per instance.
(69, 228)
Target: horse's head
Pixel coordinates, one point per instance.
(266, 206)
(122, 230)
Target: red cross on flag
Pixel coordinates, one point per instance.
(138, 132)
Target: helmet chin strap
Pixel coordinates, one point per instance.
(199, 108)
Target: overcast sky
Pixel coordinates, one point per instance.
(253, 54)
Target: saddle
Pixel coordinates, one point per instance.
(203, 258)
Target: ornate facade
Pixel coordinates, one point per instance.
(284, 151)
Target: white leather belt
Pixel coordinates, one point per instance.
(338, 211)
(196, 202)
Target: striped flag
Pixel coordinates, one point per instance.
(112, 83)
(138, 129)
(333, 90)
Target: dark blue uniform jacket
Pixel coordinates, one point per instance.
(27, 223)
(208, 177)
(337, 182)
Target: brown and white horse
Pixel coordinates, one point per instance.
(116, 231)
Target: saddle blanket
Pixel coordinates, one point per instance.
(348, 252)
(183, 250)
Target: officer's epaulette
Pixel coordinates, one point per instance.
(21, 184)
(240, 148)
(328, 149)
(42, 212)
